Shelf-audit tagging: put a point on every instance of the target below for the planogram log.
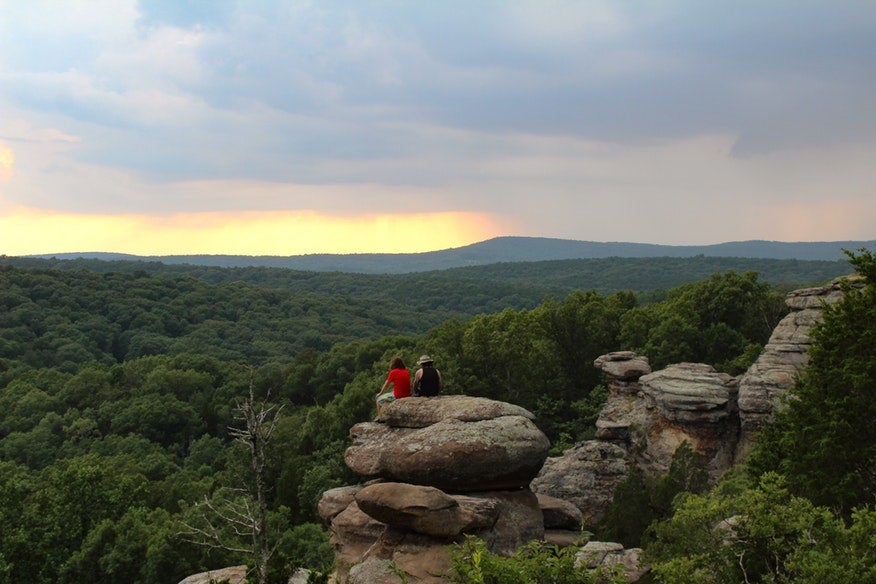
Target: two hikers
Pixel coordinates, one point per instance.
(427, 381)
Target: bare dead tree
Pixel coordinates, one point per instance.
(246, 516)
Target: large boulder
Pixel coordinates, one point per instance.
(621, 367)
(691, 393)
(559, 513)
(232, 575)
(237, 575)
(419, 412)
(610, 555)
(585, 475)
(501, 452)
(336, 500)
(693, 403)
(427, 510)
(519, 522)
(397, 556)
(438, 469)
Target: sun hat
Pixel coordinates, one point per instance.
(424, 359)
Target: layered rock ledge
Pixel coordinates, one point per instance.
(767, 381)
(438, 469)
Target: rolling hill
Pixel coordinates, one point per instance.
(499, 249)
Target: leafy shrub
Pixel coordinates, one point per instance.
(536, 563)
(762, 534)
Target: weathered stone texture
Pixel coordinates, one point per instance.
(440, 468)
(499, 453)
(763, 387)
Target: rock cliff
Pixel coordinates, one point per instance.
(766, 382)
(437, 469)
(649, 414)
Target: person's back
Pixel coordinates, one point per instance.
(430, 383)
(427, 381)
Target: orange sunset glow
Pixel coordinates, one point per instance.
(27, 232)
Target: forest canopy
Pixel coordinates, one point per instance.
(118, 389)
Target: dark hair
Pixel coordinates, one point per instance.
(397, 363)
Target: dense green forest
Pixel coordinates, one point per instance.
(119, 386)
(483, 288)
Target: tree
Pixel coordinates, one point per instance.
(761, 534)
(585, 326)
(824, 439)
(242, 512)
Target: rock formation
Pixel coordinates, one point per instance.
(649, 414)
(237, 575)
(598, 554)
(690, 402)
(766, 382)
(438, 469)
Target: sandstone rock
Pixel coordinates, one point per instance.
(585, 476)
(397, 556)
(373, 571)
(233, 575)
(426, 510)
(419, 412)
(498, 453)
(691, 393)
(623, 365)
(815, 297)
(336, 500)
(442, 468)
(237, 575)
(624, 418)
(693, 403)
(596, 554)
(625, 409)
(559, 514)
(519, 522)
(353, 535)
(763, 387)
(422, 559)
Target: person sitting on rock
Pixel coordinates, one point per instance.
(400, 379)
(427, 379)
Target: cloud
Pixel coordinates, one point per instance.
(557, 114)
(7, 161)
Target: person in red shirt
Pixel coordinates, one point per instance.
(400, 379)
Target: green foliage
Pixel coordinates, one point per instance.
(305, 546)
(535, 563)
(712, 321)
(117, 389)
(570, 423)
(639, 500)
(762, 534)
(824, 439)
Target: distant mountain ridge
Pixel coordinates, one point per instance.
(498, 250)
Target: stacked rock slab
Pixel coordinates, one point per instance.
(766, 382)
(587, 474)
(646, 417)
(693, 403)
(649, 414)
(436, 469)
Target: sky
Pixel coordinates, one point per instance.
(267, 127)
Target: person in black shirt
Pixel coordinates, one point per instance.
(427, 379)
